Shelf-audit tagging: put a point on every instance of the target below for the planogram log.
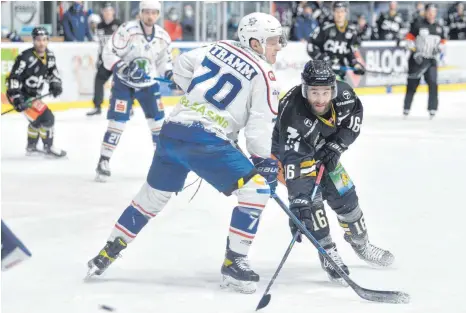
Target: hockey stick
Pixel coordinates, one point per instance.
(367, 294)
(391, 73)
(30, 100)
(266, 297)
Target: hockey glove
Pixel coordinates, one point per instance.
(359, 69)
(55, 89)
(267, 168)
(19, 103)
(418, 58)
(329, 155)
(301, 208)
(131, 73)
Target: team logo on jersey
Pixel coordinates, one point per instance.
(348, 35)
(308, 122)
(120, 106)
(271, 76)
(346, 95)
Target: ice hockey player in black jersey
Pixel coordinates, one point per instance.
(389, 24)
(426, 40)
(456, 21)
(32, 68)
(317, 121)
(105, 30)
(336, 42)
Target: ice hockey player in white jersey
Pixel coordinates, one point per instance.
(229, 86)
(137, 52)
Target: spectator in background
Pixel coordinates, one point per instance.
(456, 21)
(173, 26)
(389, 24)
(283, 12)
(94, 20)
(75, 23)
(232, 27)
(322, 13)
(363, 29)
(305, 24)
(418, 16)
(188, 23)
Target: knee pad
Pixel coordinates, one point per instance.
(254, 194)
(155, 126)
(47, 119)
(354, 225)
(112, 137)
(149, 201)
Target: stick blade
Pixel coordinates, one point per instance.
(264, 301)
(384, 296)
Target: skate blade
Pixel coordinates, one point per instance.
(231, 284)
(338, 281)
(101, 178)
(379, 264)
(92, 270)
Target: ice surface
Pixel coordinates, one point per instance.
(410, 176)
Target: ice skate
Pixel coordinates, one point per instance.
(31, 150)
(94, 111)
(331, 272)
(237, 274)
(103, 170)
(405, 114)
(432, 113)
(53, 152)
(371, 254)
(106, 256)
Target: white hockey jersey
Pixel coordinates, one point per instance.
(129, 43)
(228, 88)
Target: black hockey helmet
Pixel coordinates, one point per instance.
(39, 31)
(339, 4)
(318, 73)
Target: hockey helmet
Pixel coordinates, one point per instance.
(260, 26)
(149, 5)
(318, 73)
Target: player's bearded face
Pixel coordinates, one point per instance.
(339, 15)
(272, 46)
(149, 17)
(319, 98)
(40, 43)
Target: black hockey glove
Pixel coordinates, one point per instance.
(329, 155)
(55, 89)
(301, 208)
(359, 69)
(418, 58)
(20, 104)
(267, 168)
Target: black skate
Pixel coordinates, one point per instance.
(103, 170)
(405, 114)
(94, 111)
(237, 275)
(53, 152)
(432, 113)
(107, 256)
(371, 254)
(326, 266)
(31, 150)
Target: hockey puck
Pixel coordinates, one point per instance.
(107, 308)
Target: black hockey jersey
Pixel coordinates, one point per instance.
(457, 25)
(30, 72)
(105, 31)
(388, 26)
(425, 38)
(335, 44)
(298, 133)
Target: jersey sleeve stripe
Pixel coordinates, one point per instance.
(263, 73)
